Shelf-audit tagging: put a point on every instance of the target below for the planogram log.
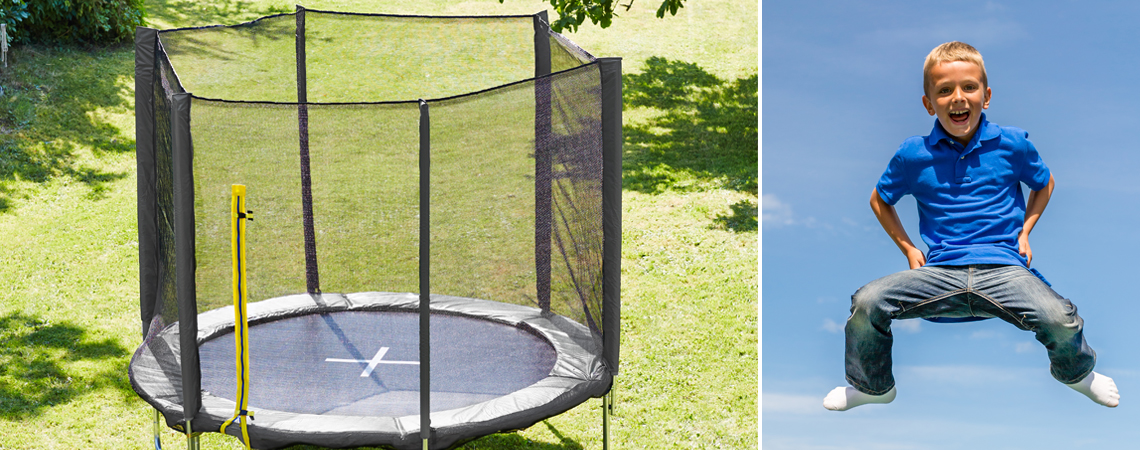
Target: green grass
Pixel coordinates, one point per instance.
(69, 317)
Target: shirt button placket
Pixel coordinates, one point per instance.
(960, 169)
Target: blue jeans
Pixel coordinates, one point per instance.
(1010, 293)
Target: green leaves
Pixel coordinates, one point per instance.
(572, 13)
(669, 5)
(68, 21)
(11, 13)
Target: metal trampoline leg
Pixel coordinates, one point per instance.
(157, 431)
(613, 398)
(191, 438)
(607, 410)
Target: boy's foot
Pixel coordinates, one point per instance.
(844, 398)
(1099, 388)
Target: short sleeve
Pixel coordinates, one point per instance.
(1034, 173)
(893, 185)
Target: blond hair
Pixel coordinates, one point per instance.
(949, 52)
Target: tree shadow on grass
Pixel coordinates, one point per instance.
(705, 136)
(34, 356)
(514, 441)
(181, 13)
(743, 217)
(52, 104)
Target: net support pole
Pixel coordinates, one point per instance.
(425, 273)
(146, 40)
(543, 164)
(238, 216)
(312, 279)
(611, 209)
(185, 293)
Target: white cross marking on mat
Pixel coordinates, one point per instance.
(372, 363)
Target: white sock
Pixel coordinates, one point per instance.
(844, 398)
(1099, 388)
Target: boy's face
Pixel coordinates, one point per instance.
(957, 97)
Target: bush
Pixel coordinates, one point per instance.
(71, 21)
(11, 13)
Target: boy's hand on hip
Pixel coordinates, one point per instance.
(915, 257)
(1024, 250)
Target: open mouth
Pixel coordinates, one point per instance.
(960, 116)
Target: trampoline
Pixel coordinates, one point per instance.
(436, 251)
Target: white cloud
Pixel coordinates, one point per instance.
(907, 325)
(832, 326)
(1025, 347)
(985, 334)
(776, 212)
(996, 7)
(792, 404)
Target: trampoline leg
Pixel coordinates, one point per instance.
(613, 398)
(157, 431)
(607, 409)
(425, 444)
(191, 438)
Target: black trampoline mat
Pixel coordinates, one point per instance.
(366, 363)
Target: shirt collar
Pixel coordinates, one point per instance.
(986, 131)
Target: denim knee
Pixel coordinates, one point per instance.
(1058, 318)
(868, 301)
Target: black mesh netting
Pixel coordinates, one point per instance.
(483, 195)
(364, 189)
(166, 85)
(163, 351)
(516, 196)
(363, 156)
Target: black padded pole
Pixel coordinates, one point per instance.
(543, 216)
(611, 209)
(146, 39)
(182, 153)
(312, 279)
(425, 272)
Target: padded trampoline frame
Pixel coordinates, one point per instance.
(566, 386)
(585, 365)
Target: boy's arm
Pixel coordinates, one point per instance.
(889, 219)
(1038, 200)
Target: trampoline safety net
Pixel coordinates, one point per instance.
(337, 123)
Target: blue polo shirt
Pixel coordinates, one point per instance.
(970, 203)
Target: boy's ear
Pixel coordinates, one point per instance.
(930, 107)
(986, 102)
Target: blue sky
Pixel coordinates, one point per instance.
(842, 83)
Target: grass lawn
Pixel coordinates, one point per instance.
(69, 317)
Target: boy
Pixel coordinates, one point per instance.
(966, 178)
